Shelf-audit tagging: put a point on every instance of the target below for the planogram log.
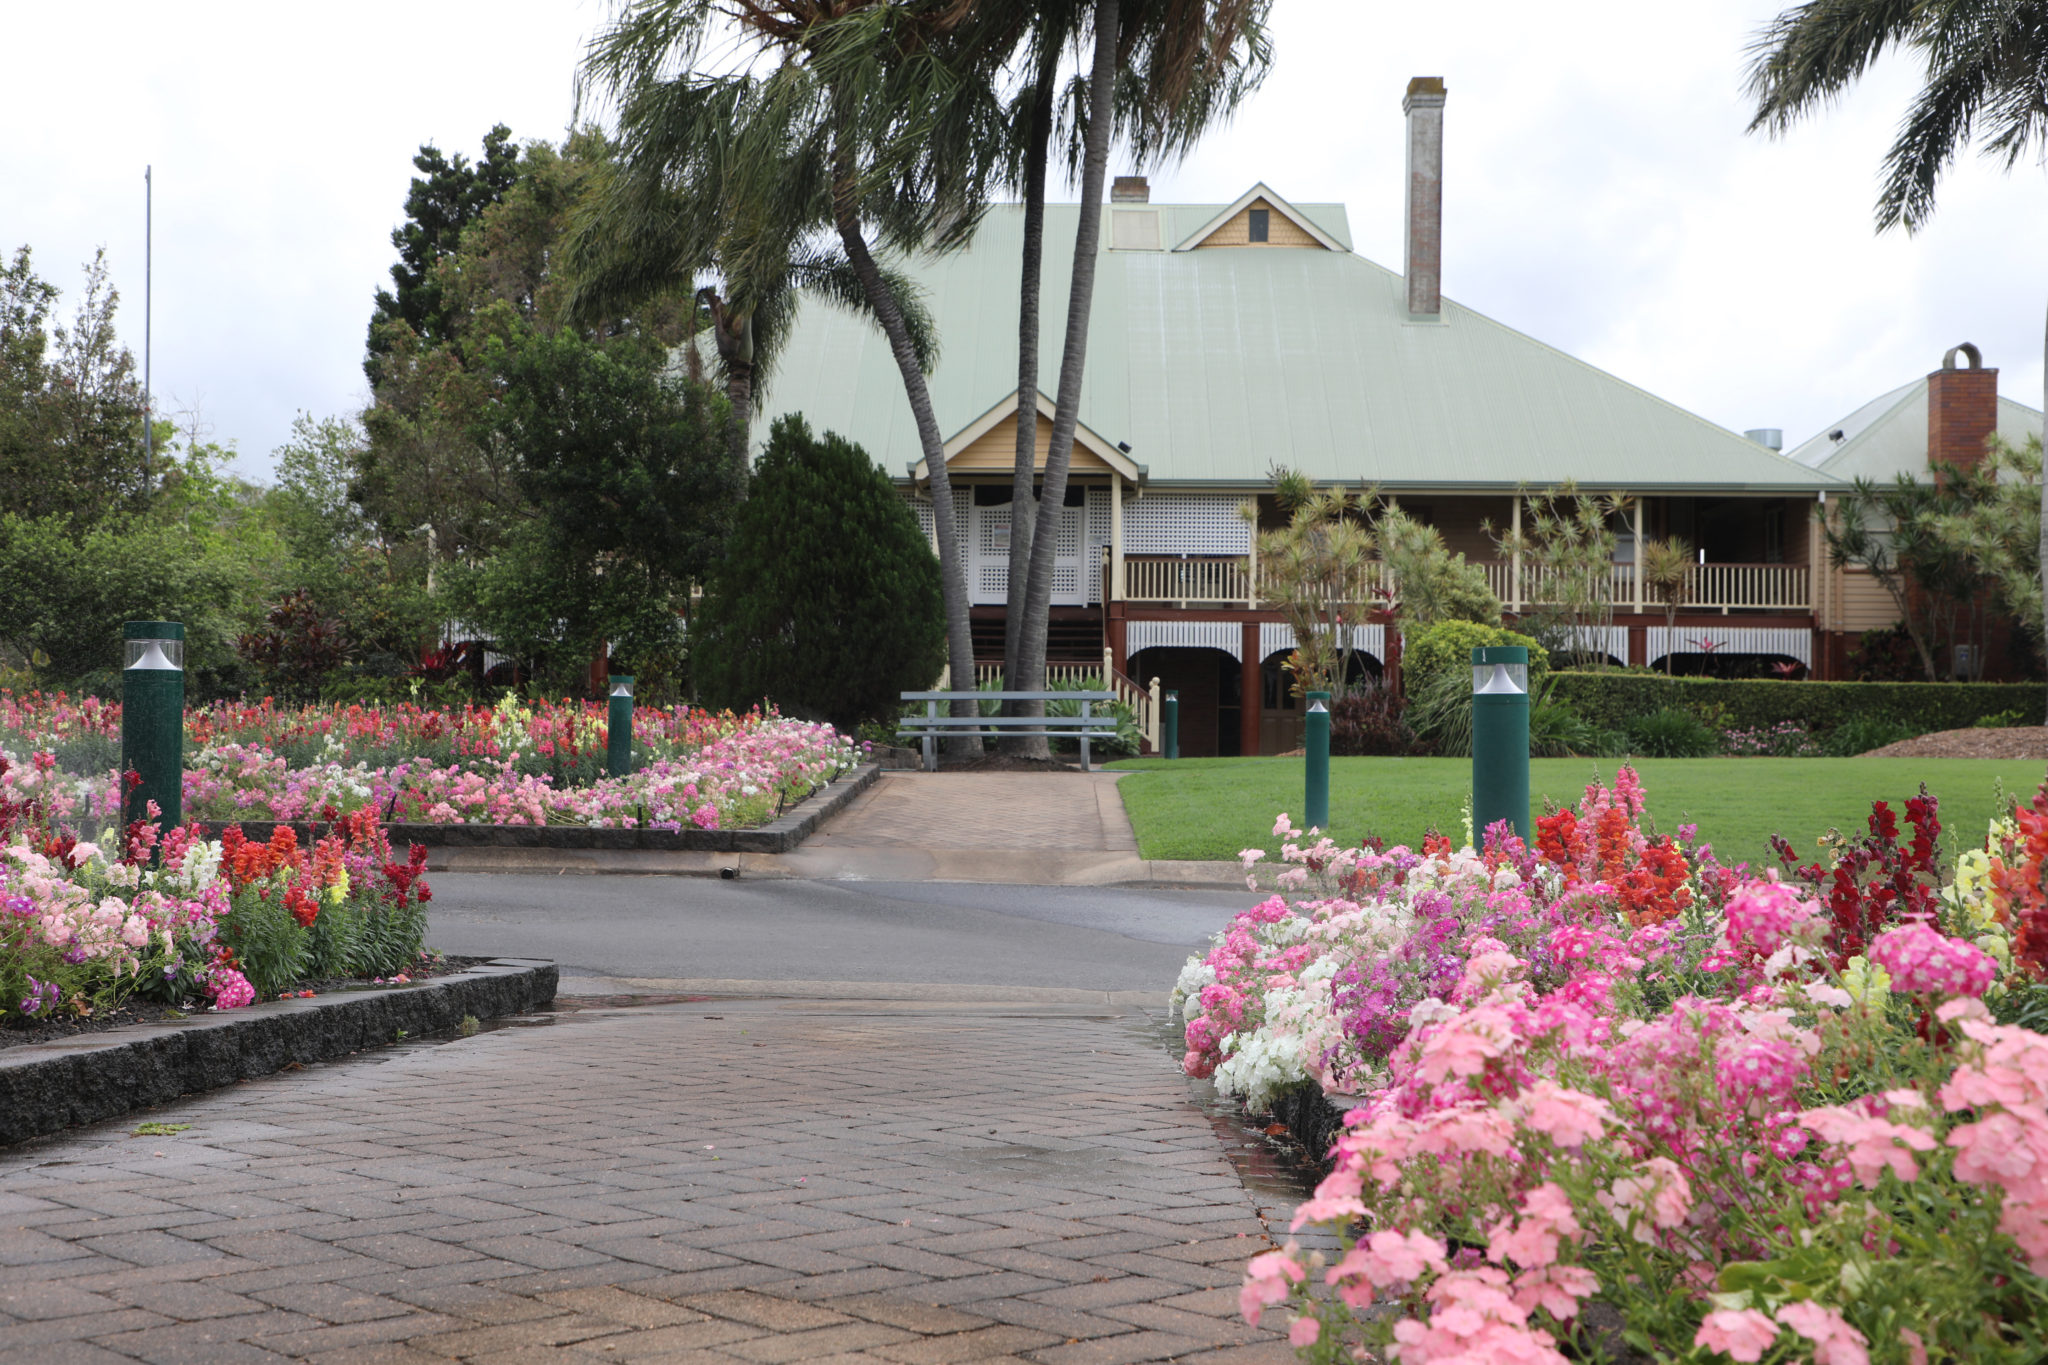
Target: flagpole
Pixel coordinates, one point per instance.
(148, 415)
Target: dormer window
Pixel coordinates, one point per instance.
(1261, 224)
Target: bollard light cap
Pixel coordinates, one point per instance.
(621, 684)
(153, 646)
(1500, 670)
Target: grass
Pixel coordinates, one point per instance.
(1209, 808)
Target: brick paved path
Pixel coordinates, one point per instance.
(727, 1181)
(1038, 811)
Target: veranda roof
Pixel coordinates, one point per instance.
(1216, 364)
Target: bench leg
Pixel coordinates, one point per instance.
(1086, 707)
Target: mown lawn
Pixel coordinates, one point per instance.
(1209, 808)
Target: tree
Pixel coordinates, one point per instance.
(443, 200)
(1566, 545)
(2000, 531)
(827, 602)
(1666, 566)
(1431, 582)
(627, 496)
(836, 116)
(71, 412)
(1167, 70)
(1984, 76)
(1890, 531)
(1314, 568)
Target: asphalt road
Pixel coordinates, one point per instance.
(1088, 938)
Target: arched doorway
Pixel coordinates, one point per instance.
(1282, 713)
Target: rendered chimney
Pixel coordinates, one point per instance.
(1962, 410)
(1130, 189)
(1424, 263)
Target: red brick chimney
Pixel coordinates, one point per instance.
(1962, 410)
(1424, 264)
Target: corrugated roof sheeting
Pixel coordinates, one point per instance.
(1887, 436)
(1217, 364)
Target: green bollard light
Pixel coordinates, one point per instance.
(618, 745)
(153, 720)
(1316, 741)
(1169, 721)
(1500, 739)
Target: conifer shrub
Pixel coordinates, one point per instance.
(826, 603)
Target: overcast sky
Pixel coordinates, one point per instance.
(1600, 192)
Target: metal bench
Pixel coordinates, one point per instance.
(931, 727)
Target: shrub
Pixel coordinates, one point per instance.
(1671, 733)
(827, 600)
(1447, 647)
(1609, 699)
(1367, 722)
(1861, 734)
(1557, 731)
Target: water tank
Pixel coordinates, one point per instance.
(1774, 437)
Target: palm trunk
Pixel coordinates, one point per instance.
(952, 572)
(1023, 503)
(739, 389)
(1074, 356)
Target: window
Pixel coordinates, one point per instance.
(1261, 224)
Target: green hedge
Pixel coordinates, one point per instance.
(1609, 700)
(1447, 646)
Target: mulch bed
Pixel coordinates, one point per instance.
(2016, 741)
(1007, 763)
(149, 1012)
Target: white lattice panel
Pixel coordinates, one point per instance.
(1227, 636)
(1098, 537)
(923, 511)
(1277, 636)
(1793, 643)
(1066, 558)
(1186, 524)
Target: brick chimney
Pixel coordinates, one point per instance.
(1424, 263)
(1962, 409)
(1130, 189)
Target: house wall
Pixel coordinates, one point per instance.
(1237, 231)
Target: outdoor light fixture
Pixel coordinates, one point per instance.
(153, 720)
(618, 744)
(1316, 745)
(1169, 721)
(1500, 739)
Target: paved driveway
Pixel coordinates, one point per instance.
(717, 1181)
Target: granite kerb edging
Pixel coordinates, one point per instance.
(47, 1087)
(781, 835)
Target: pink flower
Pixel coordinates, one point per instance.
(1303, 1332)
(1660, 1197)
(1743, 1333)
(1567, 1117)
(1266, 1281)
(1385, 1258)
(1835, 1342)
(1556, 1289)
(1920, 958)
(1873, 1145)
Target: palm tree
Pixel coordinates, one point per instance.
(1666, 566)
(1986, 81)
(1163, 72)
(786, 154)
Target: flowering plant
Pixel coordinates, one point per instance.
(1682, 1097)
(180, 919)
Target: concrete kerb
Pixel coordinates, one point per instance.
(46, 1087)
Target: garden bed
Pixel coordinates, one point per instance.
(781, 835)
(2015, 741)
(48, 1086)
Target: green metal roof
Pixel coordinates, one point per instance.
(1217, 364)
(1887, 437)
